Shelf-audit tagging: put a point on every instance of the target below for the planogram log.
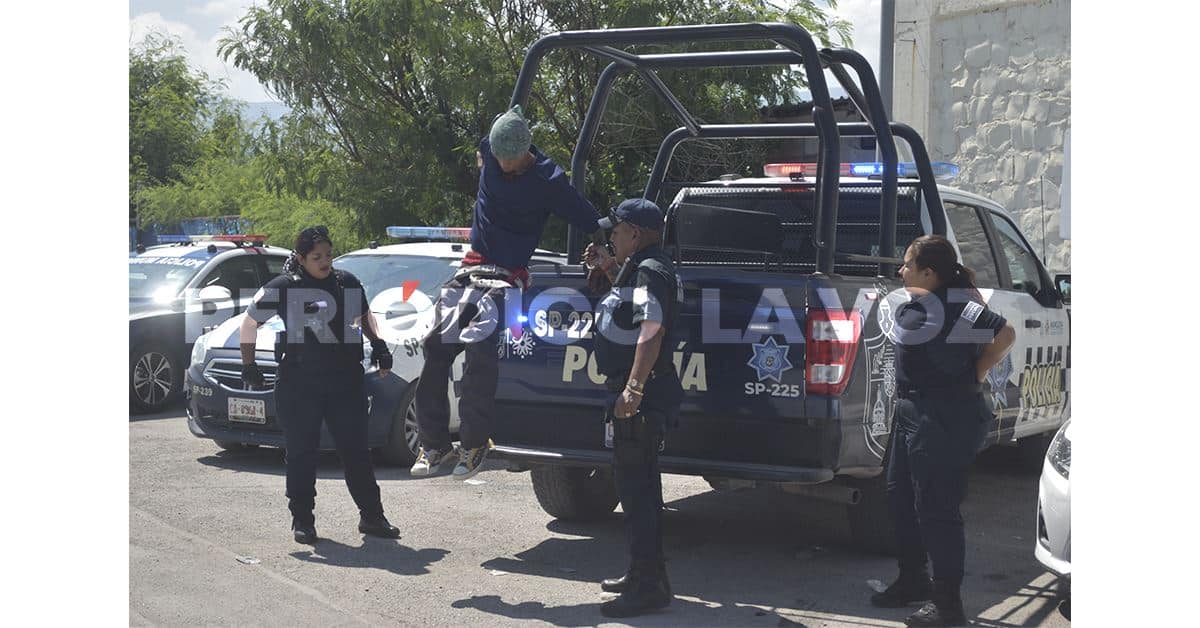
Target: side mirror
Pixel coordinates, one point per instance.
(1063, 283)
(215, 293)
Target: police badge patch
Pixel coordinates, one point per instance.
(770, 360)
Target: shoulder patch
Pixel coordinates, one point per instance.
(972, 311)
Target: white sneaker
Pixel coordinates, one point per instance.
(427, 461)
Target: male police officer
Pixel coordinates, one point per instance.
(634, 321)
(519, 187)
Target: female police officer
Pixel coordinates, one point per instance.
(946, 341)
(320, 377)
(634, 321)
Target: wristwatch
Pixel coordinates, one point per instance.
(634, 386)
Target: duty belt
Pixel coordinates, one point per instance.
(939, 391)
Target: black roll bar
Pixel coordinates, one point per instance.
(926, 182)
(871, 109)
(796, 39)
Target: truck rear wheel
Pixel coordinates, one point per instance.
(574, 493)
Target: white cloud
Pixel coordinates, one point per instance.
(202, 47)
(222, 9)
(863, 15)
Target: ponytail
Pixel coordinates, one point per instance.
(937, 253)
(292, 265)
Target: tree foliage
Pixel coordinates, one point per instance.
(389, 99)
(194, 154)
(403, 90)
(167, 105)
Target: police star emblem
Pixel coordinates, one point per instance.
(770, 360)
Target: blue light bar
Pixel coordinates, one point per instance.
(436, 234)
(942, 171)
(173, 238)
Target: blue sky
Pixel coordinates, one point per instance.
(198, 24)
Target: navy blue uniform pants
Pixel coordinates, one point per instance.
(477, 400)
(639, 483)
(303, 400)
(933, 443)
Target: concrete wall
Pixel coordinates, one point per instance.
(988, 85)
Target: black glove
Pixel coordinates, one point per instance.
(252, 378)
(380, 356)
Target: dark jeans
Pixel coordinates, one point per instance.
(933, 443)
(302, 401)
(477, 401)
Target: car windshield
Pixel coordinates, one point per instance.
(382, 272)
(160, 277)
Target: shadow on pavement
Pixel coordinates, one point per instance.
(171, 411)
(389, 555)
(270, 460)
(742, 555)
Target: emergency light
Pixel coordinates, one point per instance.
(432, 234)
(942, 171)
(173, 239)
(242, 238)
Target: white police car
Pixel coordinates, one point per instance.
(401, 282)
(175, 292)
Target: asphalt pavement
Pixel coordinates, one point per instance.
(209, 543)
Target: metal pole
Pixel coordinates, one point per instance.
(887, 34)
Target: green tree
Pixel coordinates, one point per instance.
(405, 88)
(167, 106)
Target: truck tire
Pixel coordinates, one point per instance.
(403, 444)
(574, 493)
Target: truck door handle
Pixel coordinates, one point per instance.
(1029, 322)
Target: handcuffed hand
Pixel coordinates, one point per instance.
(381, 356)
(626, 405)
(252, 378)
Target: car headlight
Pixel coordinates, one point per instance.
(1059, 453)
(200, 349)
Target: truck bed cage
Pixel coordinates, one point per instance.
(798, 48)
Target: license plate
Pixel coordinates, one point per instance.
(247, 410)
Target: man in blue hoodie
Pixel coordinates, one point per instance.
(519, 187)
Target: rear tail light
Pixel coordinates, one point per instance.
(833, 337)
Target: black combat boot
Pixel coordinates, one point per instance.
(304, 532)
(911, 586)
(946, 609)
(377, 525)
(618, 585)
(646, 589)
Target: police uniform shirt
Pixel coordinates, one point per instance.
(653, 297)
(938, 343)
(323, 337)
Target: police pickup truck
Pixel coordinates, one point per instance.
(784, 344)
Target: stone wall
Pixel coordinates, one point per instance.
(988, 85)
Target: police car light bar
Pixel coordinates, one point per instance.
(442, 234)
(800, 170)
(942, 171)
(173, 238)
(241, 238)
